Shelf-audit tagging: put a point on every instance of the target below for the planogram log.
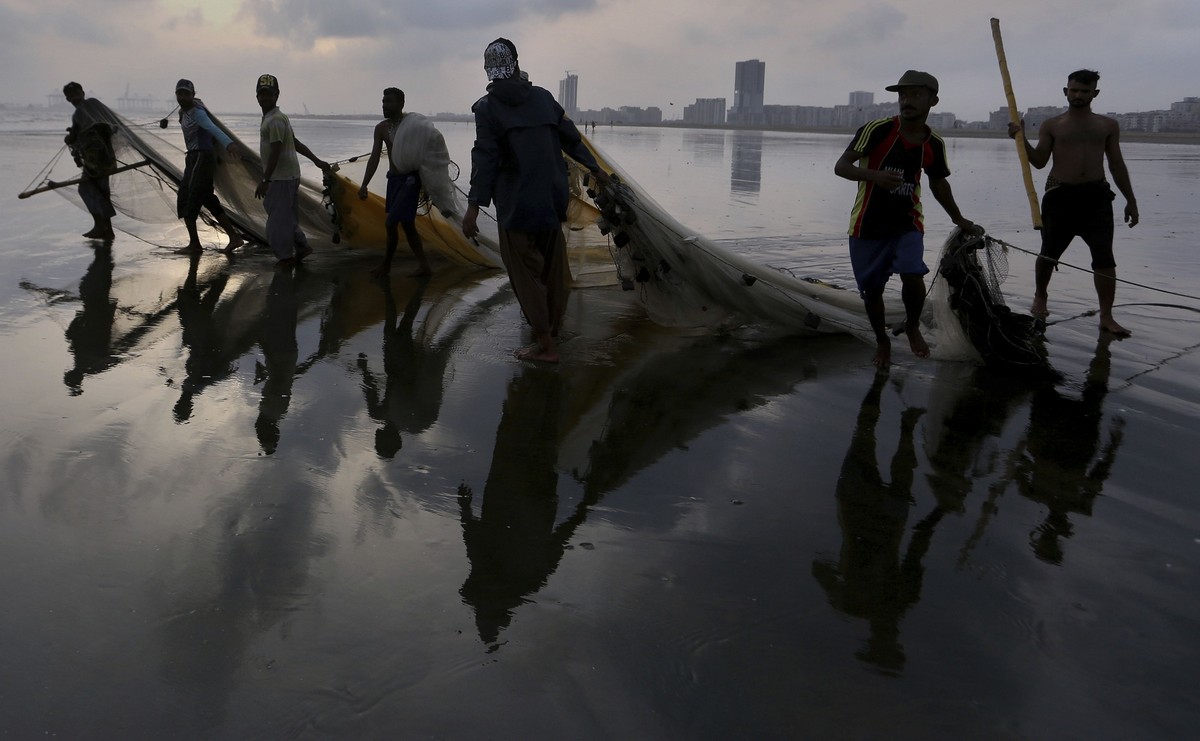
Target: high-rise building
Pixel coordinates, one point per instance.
(705, 111)
(749, 82)
(862, 99)
(568, 91)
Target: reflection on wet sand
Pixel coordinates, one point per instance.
(602, 423)
(103, 331)
(408, 398)
(280, 355)
(1063, 465)
(745, 173)
(871, 579)
(1057, 461)
(514, 544)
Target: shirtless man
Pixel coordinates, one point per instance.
(403, 189)
(1078, 200)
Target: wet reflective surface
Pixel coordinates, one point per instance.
(242, 503)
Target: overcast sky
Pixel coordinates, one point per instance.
(336, 56)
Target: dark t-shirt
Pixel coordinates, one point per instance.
(882, 214)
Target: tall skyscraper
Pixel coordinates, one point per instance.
(749, 82)
(568, 90)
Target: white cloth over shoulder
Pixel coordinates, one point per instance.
(418, 146)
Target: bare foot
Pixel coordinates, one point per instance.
(234, 242)
(537, 353)
(303, 252)
(917, 342)
(883, 355)
(191, 248)
(422, 271)
(1110, 325)
(287, 262)
(1038, 308)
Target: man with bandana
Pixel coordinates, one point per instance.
(521, 133)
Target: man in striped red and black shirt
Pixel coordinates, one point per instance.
(887, 225)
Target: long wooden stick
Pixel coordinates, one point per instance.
(56, 185)
(1015, 118)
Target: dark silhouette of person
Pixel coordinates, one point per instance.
(514, 544)
(90, 333)
(1064, 464)
(871, 579)
(280, 356)
(202, 336)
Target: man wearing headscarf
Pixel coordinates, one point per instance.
(521, 133)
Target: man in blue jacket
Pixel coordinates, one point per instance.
(200, 135)
(521, 134)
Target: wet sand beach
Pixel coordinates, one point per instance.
(247, 503)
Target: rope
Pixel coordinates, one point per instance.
(1085, 270)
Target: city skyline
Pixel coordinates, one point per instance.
(336, 58)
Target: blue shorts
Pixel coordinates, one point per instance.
(403, 191)
(876, 260)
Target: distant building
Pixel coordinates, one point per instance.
(710, 111)
(749, 83)
(568, 92)
(998, 120)
(862, 99)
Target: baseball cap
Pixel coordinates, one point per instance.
(185, 85)
(267, 82)
(500, 59)
(915, 78)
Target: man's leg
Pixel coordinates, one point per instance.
(418, 249)
(912, 291)
(393, 239)
(1105, 280)
(526, 266)
(873, 301)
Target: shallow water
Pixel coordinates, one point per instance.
(238, 503)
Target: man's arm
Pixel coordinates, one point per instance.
(203, 121)
(1038, 156)
(572, 144)
(847, 167)
(269, 168)
(1120, 173)
(373, 162)
(940, 188)
(304, 150)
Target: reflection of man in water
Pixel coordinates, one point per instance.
(90, 141)
(89, 334)
(870, 580)
(412, 390)
(206, 364)
(514, 545)
(280, 353)
(1063, 466)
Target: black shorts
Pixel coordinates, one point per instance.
(196, 188)
(1079, 210)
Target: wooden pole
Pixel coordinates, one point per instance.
(1013, 116)
(54, 186)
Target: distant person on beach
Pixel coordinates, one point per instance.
(280, 187)
(403, 188)
(521, 134)
(1078, 200)
(196, 188)
(90, 141)
(887, 225)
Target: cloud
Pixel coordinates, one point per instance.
(307, 21)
